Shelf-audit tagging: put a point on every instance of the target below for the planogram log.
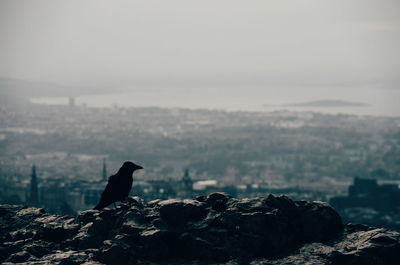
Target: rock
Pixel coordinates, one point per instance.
(217, 196)
(218, 201)
(30, 212)
(215, 229)
(375, 246)
(39, 248)
(250, 205)
(115, 253)
(99, 227)
(135, 201)
(66, 257)
(319, 221)
(196, 248)
(201, 198)
(133, 221)
(153, 203)
(89, 236)
(177, 212)
(19, 257)
(22, 234)
(283, 204)
(88, 216)
(53, 232)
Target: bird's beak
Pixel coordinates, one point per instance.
(139, 167)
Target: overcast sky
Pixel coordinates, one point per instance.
(209, 43)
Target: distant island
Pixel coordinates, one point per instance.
(324, 103)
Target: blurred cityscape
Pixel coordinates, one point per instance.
(60, 157)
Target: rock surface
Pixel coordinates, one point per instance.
(208, 230)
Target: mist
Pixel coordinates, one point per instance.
(135, 45)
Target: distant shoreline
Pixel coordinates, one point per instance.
(323, 103)
(222, 101)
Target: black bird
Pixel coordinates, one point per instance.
(118, 186)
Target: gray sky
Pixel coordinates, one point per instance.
(209, 43)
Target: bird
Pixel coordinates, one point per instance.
(118, 186)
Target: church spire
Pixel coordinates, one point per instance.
(34, 196)
(187, 183)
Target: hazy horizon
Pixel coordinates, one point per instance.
(284, 52)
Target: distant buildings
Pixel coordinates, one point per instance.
(370, 203)
(53, 194)
(64, 196)
(366, 193)
(186, 185)
(68, 196)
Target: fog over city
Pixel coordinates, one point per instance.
(249, 98)
(281, 51)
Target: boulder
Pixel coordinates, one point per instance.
(218, 201)
(318, 221)
(178, 212)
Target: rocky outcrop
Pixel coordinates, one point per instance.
(208, 230)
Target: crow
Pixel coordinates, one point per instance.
(118, 186)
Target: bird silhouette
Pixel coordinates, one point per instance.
(118, 186)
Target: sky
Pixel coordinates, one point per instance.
(218, 43)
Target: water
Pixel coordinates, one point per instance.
(384, 102)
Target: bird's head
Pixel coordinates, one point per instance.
(130, 166)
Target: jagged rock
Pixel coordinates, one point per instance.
(133, 222)
(65, 257)
(135, 201)
(52, 232)
(88, 216)
(22, 234)
(88, 237)
(218, 201)
(30, 212)
(153, 203)
(181, 211)
(318, 221)
(283, 204)
(374, 246)
(215, 229)
(39, 248)
(371, 247)
(19, 257)
(115, 253)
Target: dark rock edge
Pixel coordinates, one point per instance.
(208, 230)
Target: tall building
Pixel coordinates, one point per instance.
(34, 196)
(187, 184)
(104, 171)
